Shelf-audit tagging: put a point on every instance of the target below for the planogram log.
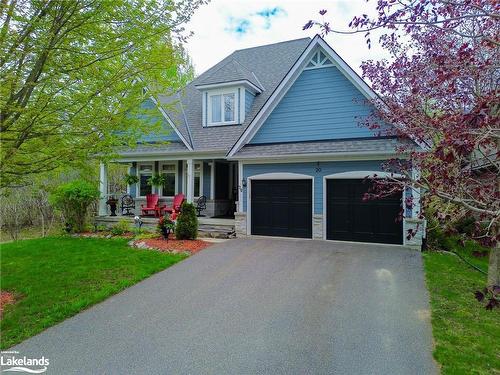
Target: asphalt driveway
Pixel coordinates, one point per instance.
(257, 306)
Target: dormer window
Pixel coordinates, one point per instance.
(222, 107)
(226, 103)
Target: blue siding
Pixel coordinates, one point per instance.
(321, 104)
(318, 171)
(152, 115)
(133, 171)
(249, 97)
(206, 179)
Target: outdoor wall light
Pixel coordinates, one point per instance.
(244, 183)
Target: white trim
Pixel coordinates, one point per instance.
(221, 93)
(319, 64)
(354, 175)
(189, 180)
(243, 82)
(103, 189)
(167, 117)
(138, 173)
(276, 176)
(287, 82)
(176, 185)
(146, 157)
(240, 187)
(281, 176)
(185, 177)
(241, 105)
(362, 174)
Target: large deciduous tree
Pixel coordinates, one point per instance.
(440, 87)
(72, 74)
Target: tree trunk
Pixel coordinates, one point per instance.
(494, 266)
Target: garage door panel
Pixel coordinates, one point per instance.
(281, 208)
(351, 218)
(337, 222)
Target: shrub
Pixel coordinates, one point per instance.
(165, 225)
(121, 227)
(187, 223)
(74, 199)
(465, 225)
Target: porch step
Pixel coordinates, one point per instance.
(208, 227)
(216, 231)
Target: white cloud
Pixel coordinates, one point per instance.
(214, 24)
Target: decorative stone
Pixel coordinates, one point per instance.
(317, 226)
(240, 224)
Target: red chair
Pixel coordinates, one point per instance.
(176, 204)
(152, 205)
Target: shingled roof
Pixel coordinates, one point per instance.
(263, 66)
(232, 71)
(382, 145)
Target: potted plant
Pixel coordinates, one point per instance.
(166, 226)
(112, 202)
(156, 180)
(130, 179)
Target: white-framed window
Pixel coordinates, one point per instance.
(144, 172)
(198, 178)
(169, 170)
(222, 107)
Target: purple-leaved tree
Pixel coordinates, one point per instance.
(440, 86)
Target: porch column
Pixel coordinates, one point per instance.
(240, 187)
(190, 181)
(103, 188)
(212, 180)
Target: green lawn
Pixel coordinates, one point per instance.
(467, 336)
(54, 278)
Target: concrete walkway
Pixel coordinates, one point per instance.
(257, 306)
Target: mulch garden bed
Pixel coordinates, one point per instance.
(172, 245)
(6, 298)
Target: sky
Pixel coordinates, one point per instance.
(224, 26)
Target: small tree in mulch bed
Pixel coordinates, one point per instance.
(187, 223)
(165, 226)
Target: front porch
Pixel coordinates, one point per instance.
(214, 179)
(207, 227)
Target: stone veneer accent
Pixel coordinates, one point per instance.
(419, 226)
(317, 227)
(240, 224)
